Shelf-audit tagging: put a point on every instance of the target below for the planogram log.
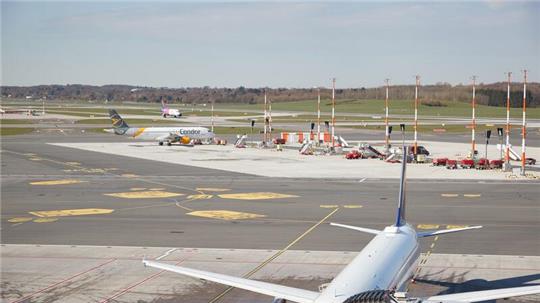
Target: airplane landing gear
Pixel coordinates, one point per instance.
(169, 143)
(160, 143)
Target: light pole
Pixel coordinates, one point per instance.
(416, 115)
(387, 133)
(507, 165)
(318, 115)
(212, 115)
(333, 111)
(524, 123)
(265, 119)
(473, 130)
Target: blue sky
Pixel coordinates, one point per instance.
(276, 44)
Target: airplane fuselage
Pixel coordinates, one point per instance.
(158, 133)
(170, 112)
(386, 263)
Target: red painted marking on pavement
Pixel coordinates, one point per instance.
(63, 281)
(125, 290)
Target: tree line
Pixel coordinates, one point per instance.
(493, 94)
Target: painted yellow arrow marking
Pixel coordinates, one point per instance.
(212, 189)
(20, 219)
(199, 197)
(225, 214)
(151, 194)
(456, 226)
(427, 226)
(137, 188)
(256, 196)
(45, 220)
(71, 212)
(57, 182)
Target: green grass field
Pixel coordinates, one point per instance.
(16, 121)
(207, 113)
(311, 118)
(134, 122)
(12, 131)
(396, 107)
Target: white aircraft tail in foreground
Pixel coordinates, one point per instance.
(377, 274)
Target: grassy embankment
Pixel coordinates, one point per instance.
(134, 122)
(396, 107)
(16, 121)
(12, 131)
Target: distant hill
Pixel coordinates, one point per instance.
(489, 94)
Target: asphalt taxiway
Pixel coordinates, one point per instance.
(62, 196)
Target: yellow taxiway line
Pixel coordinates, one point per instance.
(277, 254)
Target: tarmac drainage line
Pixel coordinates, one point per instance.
(63, 281)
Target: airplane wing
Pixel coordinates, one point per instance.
(269, 289)
(444, 231)
(170, 137)
(357, 228)
(484, 295)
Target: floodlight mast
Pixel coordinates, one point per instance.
(416, 115)
(270, 118)
(212, 115)
(265, 118)
(387, 132)
(507, 152)
(318, 115)
(333, 110)
(524, 123)
(473, 121)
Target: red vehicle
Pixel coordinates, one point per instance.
(483, 163)
(451, 164)
(467, 163)
(353, 155)
(496, 164)
(440, 161)
(280, 141)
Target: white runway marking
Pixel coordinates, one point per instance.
(170, 251)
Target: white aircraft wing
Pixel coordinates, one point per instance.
(484, 295)
(362, 229)
(445, 231)
(269, 289)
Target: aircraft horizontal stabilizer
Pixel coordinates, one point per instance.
(269, 289)
(445, 231)
(362, 229)
(484, 295)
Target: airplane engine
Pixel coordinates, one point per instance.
(185, 140)
(279, 300)
(372, 296)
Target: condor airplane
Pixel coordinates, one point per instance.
(378, 274)
(169, 135)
